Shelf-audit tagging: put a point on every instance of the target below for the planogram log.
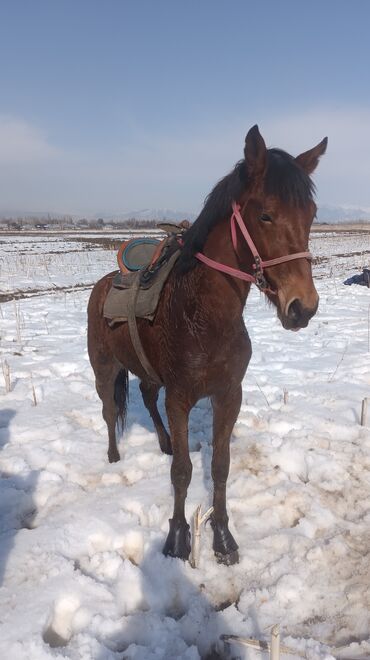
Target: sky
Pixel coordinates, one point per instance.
(118, 105)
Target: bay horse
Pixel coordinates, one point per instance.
(198, 343)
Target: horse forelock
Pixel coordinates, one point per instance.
(286, 180)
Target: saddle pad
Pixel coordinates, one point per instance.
(137, 253)
(116, 302)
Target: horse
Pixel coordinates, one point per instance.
(198, 343)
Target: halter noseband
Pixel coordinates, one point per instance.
(259, 264)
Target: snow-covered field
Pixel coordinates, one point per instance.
(81, 567)
(38, 262)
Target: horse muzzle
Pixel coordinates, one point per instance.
(297, 315)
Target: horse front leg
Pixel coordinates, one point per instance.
(178, 540)
(226, 406)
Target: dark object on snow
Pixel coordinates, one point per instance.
(362, 280)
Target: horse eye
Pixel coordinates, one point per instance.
(265, 217)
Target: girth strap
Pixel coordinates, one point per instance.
(134, 333)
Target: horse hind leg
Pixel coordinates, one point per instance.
(150, 397)
(112, 388)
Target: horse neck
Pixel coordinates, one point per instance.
(219, 247)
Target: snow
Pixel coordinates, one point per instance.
(81, 567)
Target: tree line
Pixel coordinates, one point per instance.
(68, 222)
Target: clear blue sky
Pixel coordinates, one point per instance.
(114, 105)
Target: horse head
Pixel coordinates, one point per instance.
(278, 209)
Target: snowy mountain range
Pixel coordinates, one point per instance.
(148, 214)
(325, 213)
(339, 214)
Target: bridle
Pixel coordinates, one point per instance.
(259, 264)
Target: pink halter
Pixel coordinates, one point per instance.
(258, 279)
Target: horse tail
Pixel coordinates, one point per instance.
(121, 396)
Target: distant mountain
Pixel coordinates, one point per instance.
(42, 215)
(148, 214)
(141, 214)
(339, 214)
(325, 213)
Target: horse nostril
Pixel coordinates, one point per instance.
(295, 310)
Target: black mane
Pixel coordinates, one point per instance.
(284, 179)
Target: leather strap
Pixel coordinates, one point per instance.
(237, 218)
(223, 268)
(134, 333)
(259, 264)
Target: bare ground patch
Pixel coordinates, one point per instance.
(31, 293)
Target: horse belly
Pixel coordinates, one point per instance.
(221, 366)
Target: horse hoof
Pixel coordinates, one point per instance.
(178, 541)
(229, 559)
(224, 545)
(113, 456)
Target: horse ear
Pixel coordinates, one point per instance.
(309, 159)
(255, 153)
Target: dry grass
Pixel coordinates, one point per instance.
(343, 227)
(6, 373)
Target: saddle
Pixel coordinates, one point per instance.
(145, 265)
(147, 282)
(137, 253)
